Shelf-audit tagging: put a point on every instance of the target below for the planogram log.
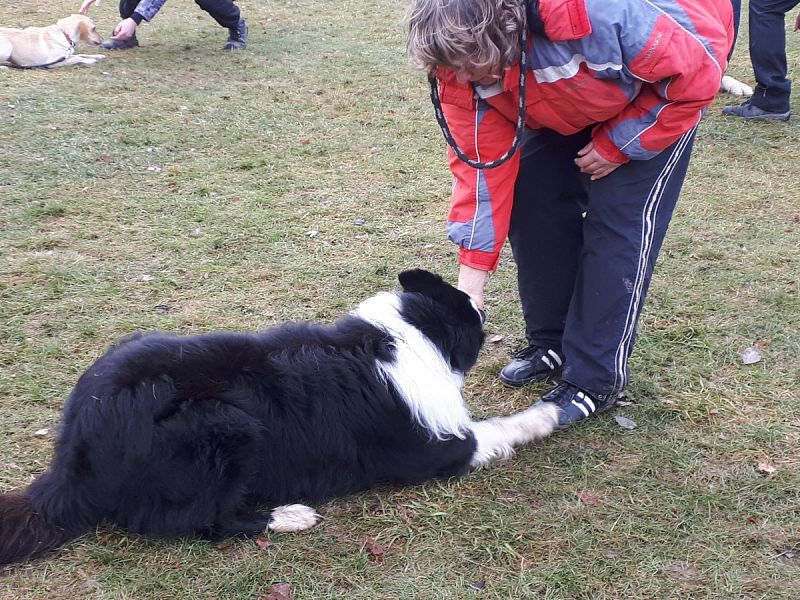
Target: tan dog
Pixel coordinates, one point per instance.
(51, 46)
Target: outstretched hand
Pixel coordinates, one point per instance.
(590, 162)
(124, 29)
(87, 4)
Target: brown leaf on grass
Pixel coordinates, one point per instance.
(375, 550)
(522, 563)
(764, 343)
(263, 542)
(766, 467)
(279, 591)
(589, 498)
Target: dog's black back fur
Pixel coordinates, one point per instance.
(171, 435)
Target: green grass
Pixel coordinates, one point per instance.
(177, 188)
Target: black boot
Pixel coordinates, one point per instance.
(110, 44)
(237, 39)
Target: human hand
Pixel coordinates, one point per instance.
(87, 4)
(124, 29)
(590, 162)
(797, 22)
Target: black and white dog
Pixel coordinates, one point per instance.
(189, 435)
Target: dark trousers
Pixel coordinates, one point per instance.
(768, 53)
(737, 16)
(583, 279)
(224, 12)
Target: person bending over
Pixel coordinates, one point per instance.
(613, 94)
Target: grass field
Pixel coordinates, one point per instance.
(174, 187)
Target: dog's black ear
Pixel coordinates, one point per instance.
(419, 280)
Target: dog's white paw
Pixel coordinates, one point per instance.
(735, 87)
(293, 517)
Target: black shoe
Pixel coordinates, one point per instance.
(750, 112)
(237, 39)
(110, 44)
(534, 363)
(576, 405)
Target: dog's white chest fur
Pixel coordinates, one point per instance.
(420, 373)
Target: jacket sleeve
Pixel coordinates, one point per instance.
(681, 74)
(481, 199)
(149, 8)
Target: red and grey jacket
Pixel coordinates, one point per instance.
(641, 71)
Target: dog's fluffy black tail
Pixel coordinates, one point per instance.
(26, 532)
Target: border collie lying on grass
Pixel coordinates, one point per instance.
(170, 435)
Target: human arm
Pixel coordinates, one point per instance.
(681, 72)
(481, 199)
(144, 11)
(87, 4)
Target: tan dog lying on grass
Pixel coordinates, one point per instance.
(51, 46)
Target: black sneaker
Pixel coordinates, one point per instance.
(110, 44)
(237, 38)
(750, 112)
(575, 404)
(534, 363)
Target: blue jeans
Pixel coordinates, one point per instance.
(768, 53)
(583, 279)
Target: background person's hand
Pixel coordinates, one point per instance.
(590, 162)
(87, 4)
(124, 30)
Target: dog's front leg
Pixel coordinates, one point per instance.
(497, 437)
(75, 59)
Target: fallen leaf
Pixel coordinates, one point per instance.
(496, 339)
(750, 356)
(589, 498)
(263, 542)
(765, 467)
(625, 422)
(764, 343)
(375, 550)
(44, 431)
(522, 563)
(478, 585)
(279, 591)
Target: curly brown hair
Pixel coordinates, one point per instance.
(464, 35)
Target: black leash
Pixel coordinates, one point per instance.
(448, 136)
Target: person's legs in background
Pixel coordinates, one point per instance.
(770, 100)
(227, 14)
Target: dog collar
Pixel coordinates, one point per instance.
(69, 39)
